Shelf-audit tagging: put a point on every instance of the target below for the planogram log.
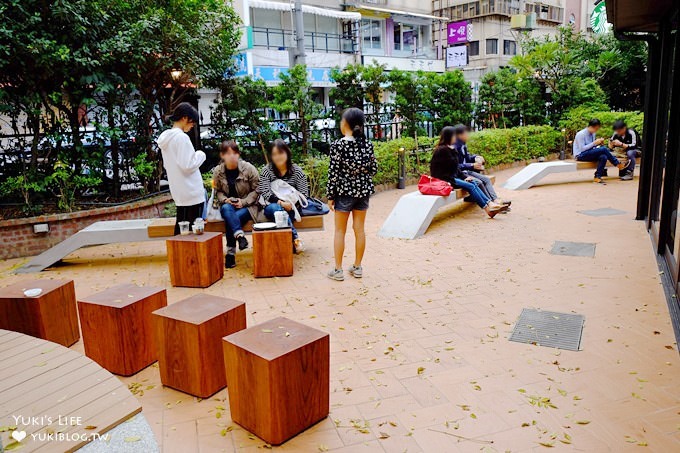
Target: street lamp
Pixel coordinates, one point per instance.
(176, 74)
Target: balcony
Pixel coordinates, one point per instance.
(477, 9)
(280, 39)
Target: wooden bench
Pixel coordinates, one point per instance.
(413, 213)
(533, 173)
(165, 227)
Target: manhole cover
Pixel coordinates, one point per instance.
(549, 328)
(602, 212)
(573, 249)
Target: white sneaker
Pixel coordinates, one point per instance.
(336, 274)
(356, 271)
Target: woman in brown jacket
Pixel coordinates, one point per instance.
(235, 183)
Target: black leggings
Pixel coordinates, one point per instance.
(188, 214)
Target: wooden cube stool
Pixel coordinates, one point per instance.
(273, 253)
(189, 338)
(195, 260)
(117, 328)
(278, 378)
(51, 315)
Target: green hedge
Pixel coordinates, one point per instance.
(503, 146)
(576, 119)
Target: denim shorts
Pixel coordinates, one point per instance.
(344, 203)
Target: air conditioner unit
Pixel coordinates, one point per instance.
(531, 21)
(518, 21)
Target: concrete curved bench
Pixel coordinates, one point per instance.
(533, 173)
(413, 213)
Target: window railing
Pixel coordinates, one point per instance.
(546, 12)
(482, 8)
(280, 39)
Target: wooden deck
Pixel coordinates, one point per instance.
(71, 397)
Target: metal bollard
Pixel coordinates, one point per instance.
(402, 169)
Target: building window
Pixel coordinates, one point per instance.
(491, 46)
(371, 30)
(473, 51)
(509, 47)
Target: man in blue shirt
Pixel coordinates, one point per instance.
(589, 148)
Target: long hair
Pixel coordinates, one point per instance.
(446, 137)
(282, 146)
(356, 120)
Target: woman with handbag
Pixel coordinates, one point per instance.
(350, 184)
(282, 168)
(444, 166)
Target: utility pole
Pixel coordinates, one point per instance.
(297, 53)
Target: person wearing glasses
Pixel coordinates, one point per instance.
(182, 163)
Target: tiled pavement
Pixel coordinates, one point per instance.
(420, 360)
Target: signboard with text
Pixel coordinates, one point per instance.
(458, 32)
(456, 56)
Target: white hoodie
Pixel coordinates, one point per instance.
(181, 163)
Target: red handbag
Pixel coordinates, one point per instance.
(433, 186)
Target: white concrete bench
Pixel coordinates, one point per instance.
(533, 173)
(413, 213)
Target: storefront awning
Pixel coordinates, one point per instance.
(401, 13)
(281, 6)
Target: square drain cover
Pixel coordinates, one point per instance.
(573, 249)
(602, 212)
(549, 328)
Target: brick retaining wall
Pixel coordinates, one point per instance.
(17, 238)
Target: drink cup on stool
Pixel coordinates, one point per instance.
(184, 228)
(281, 219)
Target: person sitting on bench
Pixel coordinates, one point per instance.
(445, 166)
(588, 148)
(283, 168)
(235, 182)
(473, 164)
(626, 141)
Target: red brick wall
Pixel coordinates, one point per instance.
(17, 238)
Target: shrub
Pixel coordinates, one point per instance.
(503, 146)
(576, 119)
(316, 169)
(387, 154)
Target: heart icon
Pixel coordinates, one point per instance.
(18, 435)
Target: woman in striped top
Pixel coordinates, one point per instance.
(282, 167)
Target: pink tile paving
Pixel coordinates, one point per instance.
(420, 360)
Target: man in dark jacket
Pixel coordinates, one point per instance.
(626, 141)
(473, 164)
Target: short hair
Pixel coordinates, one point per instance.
(460, 129)
(229, 145)
(594, 123)
(184, 110)
(619, 124)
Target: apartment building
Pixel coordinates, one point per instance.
(396, 33)
(483, 35)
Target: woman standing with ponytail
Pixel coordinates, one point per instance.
(350, 184)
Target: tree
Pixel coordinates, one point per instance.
(448, 98)
(409, 99)
(375, 79)
(348, 90)
(507, 100)
(292, 96)
(240, 111)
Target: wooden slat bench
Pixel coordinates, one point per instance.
(533, 173)
(46, 380)
(413, 213)
(165, 227)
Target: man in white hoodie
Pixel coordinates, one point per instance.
(182, 164)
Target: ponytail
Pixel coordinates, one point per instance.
(356, 120)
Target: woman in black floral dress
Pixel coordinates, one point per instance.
(350, 184)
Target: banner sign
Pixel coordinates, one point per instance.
(458, 32)
(598, 18)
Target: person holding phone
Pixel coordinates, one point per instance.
(589, 148)
(235, 182)
(626, 141)
(182, 164)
